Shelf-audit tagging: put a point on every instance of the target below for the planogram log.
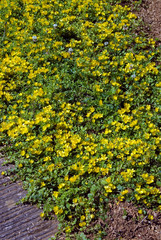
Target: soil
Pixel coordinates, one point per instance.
(150, 13)
(127, 224)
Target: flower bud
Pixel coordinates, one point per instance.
(55, 25)
(105, 43)
(133, 76)
(34, 38)
(70, 50)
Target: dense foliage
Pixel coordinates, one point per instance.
(80, 106)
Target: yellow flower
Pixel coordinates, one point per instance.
(108, 179)
(51, 167)
(137, 197)
(66, 178)
(159, 207)
(42, 214)
(120, 198)
(82, 217)
(73, 179)
(150, 217)
(115, 97)
(133, 123)
(55, 194)
(100, 102)
(20, 165)
(109, 187)
(75, 200)
(23, 153)
(68, 229)
(57, 210)
(148, 107)
(97, 115)
(42, 184)
(61, 185)
(80, 119)
(127, 175)
(140, 211)
(124, 192)
(148, 178)
(147, 135)
(82, 224)
(2, 173)
(97, 87)
(47, 159)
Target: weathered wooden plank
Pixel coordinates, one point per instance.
(22, 221)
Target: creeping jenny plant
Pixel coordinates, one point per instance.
(80, 106)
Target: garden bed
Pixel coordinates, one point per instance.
(80, 109)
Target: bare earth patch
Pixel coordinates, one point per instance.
(126, 223)
(150, 12)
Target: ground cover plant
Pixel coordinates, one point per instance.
(80, 107)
